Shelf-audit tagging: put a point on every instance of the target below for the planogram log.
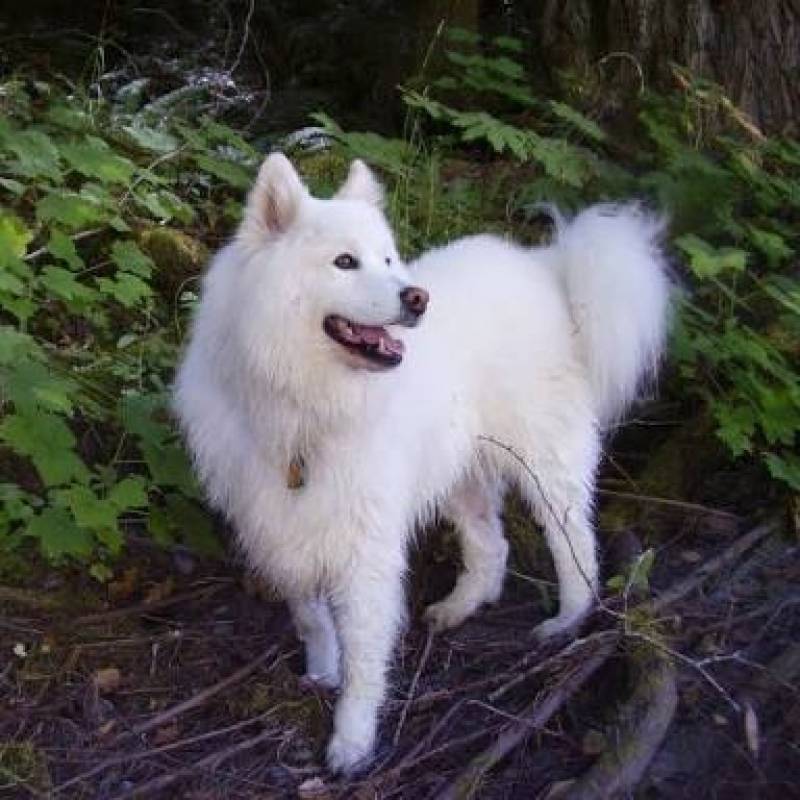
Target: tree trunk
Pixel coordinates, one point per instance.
(752, 49)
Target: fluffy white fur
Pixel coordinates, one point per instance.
(521, 359)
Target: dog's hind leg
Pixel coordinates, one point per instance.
(314, 625)
(557, 480)
(474, 508)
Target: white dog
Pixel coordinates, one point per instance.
(328, 425)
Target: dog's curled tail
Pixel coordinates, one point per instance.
(616, 280)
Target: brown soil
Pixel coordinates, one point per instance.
(83, 690)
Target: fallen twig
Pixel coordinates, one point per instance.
(203, 696)
(423, 659)
(145, 608)
(128, 758)
(679, 590)
(209, 762)
(537, 715)
(680, 505)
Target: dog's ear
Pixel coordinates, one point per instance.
(361, 184)
(275, 198)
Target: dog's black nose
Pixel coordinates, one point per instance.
(415, 300)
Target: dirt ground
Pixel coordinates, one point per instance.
(181, 681)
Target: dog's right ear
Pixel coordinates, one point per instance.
(275, 198)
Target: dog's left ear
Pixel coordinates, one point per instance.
(275, 199)
(361, 184)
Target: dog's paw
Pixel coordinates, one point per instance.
(557, 626)
(347, 756)
(327, 681)
(445, 614)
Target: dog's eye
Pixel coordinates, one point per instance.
(388, 261)
(346, 261)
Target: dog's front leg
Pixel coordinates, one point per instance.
(368, 613)
(314, 626)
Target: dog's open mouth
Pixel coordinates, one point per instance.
(371, 342)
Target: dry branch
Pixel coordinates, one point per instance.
(537, 715)
(203, 696)
(211, 762)
(644, 722)
(727, 557)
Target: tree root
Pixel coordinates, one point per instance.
(643, 723)
(536, 717)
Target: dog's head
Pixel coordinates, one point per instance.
(329, 268)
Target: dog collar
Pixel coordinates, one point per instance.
(296, 473)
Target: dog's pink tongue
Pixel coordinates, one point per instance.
(375, 335)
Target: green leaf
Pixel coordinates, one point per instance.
(62, 247)
(586, 126)
(15, 187)
(772, 246)
(63, 284)
(508, 43)
(736, 427)
(193, 526)
(128, 257)
(37, 156)
(59, 536)
(88, 510)
(785, 467)
(101, 572)
(707, 261)
(73, 211)
(154, 140)
(130, 492)
(27, 381)
(128, 290)
(48, 442)
(14, 237)
(93, 158)
(228, 171)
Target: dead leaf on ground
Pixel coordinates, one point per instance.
(107, 679)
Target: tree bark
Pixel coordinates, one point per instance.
(751, 49)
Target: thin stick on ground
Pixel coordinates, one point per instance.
(128, 758)
(203, 592)
(423, 659)
(536, 717)
(210, 762)
(727, 557)
(203, 696)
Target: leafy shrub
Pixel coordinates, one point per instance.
(98, 254)
(732, 195)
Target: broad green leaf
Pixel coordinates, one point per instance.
(62, 247)
(130, 492)
(228, 171)
(63, 284)
(128, 257)
(193, 526)
(736, 427)
(48, 442)
(128, 290)
(93, 158)
(153, 139)
(14, 237)
(59, 536)
(29, 382)
(37, 156)
(69, 209)
(785, 467)
(88, 510)
(707, 261)
(586, 126)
